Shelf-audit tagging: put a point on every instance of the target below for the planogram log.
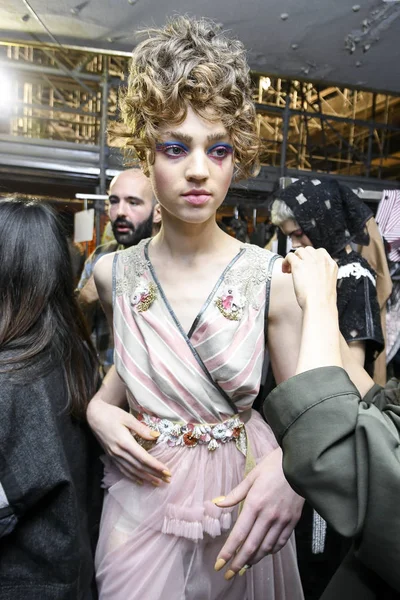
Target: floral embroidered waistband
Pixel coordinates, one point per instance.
(176, 433)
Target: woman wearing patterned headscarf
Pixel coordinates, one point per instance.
(326, 214)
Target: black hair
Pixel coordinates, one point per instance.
(39, 314)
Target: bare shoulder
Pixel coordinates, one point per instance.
(284, 324)
(103, 277)
(283, 297)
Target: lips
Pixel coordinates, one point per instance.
(122, 227)
(197, 197)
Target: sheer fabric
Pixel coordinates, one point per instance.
(163, 542)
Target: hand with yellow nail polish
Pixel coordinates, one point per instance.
(271, 510)
(219, 564)
(115, 429)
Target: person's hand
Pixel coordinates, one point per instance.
(270, 513)
(115, 428)
(314, 275)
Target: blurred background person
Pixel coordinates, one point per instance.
(325, 214)
(134, 216)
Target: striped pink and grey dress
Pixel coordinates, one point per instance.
(163, 542)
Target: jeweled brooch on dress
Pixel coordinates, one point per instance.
(231, 303)
(144, 296)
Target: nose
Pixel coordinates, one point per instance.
(197, 166)
(121, 210)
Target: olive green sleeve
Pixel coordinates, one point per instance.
(342, 454)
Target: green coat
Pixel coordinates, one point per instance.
(342, 453)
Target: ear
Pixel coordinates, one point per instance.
(157, 213)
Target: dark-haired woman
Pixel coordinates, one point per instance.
(49, 499)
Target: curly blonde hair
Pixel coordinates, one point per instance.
(190, 62)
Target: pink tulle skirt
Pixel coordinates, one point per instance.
(162, 543)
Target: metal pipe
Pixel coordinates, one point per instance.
(318, 115)
(59, 109)
(285, 131)
(66, 46)
(99, 205)
(68, 72)
(43, 70)
(371, 137)
(103, 127)
(39, 20)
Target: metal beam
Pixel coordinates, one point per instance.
(41, 69)
(285, 132)
(62, 109)
(103, 127)
(68, 71)
(99, 205)
(266, 108)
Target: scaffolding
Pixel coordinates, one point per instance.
(71, 96)
(331, 130)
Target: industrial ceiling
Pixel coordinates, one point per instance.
(330, 41)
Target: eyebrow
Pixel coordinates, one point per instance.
(187, 138)
(127, 197)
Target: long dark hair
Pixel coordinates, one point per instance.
(40, 320)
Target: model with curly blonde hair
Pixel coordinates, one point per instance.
(191, 63)
(189, 309)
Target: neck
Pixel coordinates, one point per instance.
(188, 240)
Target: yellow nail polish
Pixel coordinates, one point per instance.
(229, 575)
(155, 483)
(219, 564)
(155, 434)
(167, 473)
(218, 499)
(243, 571)
(166, 479)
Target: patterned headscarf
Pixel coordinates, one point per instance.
(329, 213)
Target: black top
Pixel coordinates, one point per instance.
(357, 302)
(50, 497)
(332, 216)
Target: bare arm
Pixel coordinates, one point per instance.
(284, 325)
(355, 370)
(314, 277)
(357, 350)
(113, 426)
(102, 273)
(113, 390)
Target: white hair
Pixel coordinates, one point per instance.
(280, 212)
